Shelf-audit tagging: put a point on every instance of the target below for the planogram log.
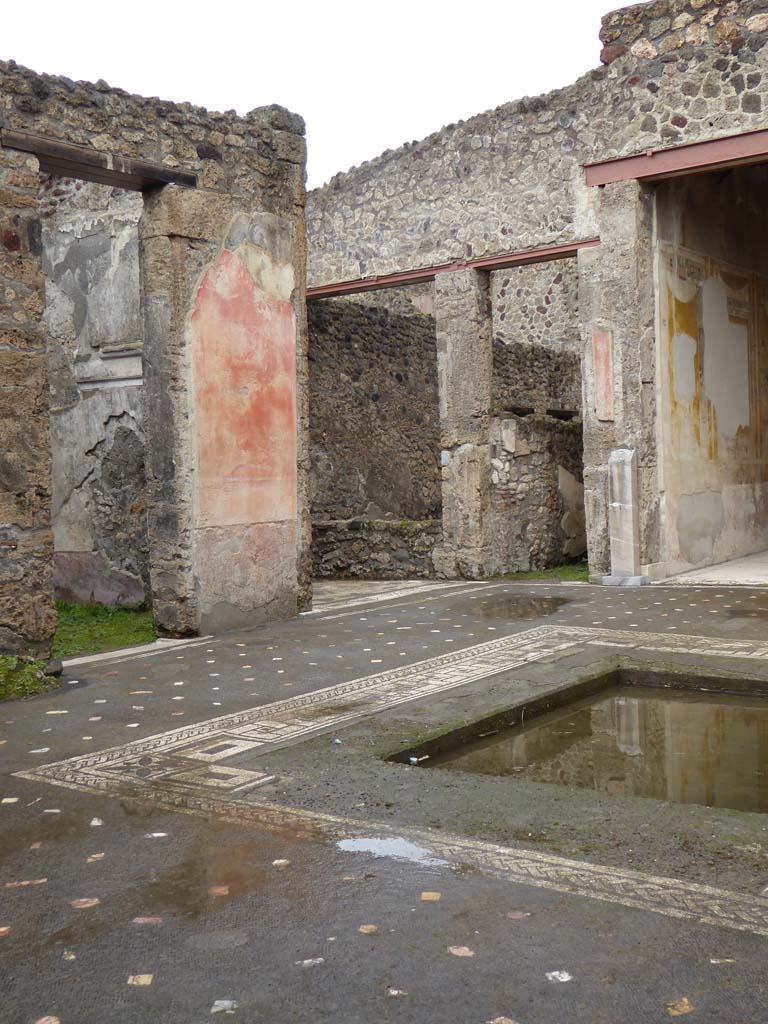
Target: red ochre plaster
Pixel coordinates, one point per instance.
(244, 380)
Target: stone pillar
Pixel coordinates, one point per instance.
(27, 615)
(464, 370)
(616, 299)
(220, 298)
(624, 520)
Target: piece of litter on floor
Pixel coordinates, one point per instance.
(95, 822)
(93, 857)
(722, 960)
(5, 930)
(335, 741)
(679, 1007)
(559, 976)
(461, 951)
(140, 979)
(40, 750)
(502, 1020)
(224, 1006)
(85, 903)
(155, 835)
(27, 882)
(281, 862)
(57, 712)
(517, 915)
(430, 897)
(368, 929)
(10, 800)
(68, 955)
(313, 962)
(147, 920)
(48, 1020)
(396, 992)
(218, 890)
(52, 810)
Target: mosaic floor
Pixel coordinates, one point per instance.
(143, 839)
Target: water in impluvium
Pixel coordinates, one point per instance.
(686, 747)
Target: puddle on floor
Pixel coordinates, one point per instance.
(395, 847)
(519, 606)
(689, 748)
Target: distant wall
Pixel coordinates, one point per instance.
(92, 312)
(532, 377)
(538, 304)
(537, 493)
(373, 412)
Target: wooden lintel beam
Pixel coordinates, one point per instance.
(69, 161)
(689, 158)
(401, 278)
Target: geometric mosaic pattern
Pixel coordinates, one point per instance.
(183, 770)
(189, 758)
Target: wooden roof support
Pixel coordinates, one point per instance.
(690, 158)
(400, 278)
(69, 161)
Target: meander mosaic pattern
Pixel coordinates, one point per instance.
(183, 769)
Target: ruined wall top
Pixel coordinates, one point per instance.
(513, 178)
(664, 26)
(229, 153)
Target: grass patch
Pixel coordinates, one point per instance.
(92, 628)
(23, 677)
(574, 572)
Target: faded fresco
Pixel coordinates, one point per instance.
(713, 378)
(242, 336)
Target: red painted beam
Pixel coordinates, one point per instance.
(542, 254)
(690, 158)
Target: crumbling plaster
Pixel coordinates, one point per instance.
(713, 367)
(248, 168)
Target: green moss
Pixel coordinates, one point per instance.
(23, 677)
(91, 628)
(574, 571)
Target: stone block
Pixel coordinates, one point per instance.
(624, 519)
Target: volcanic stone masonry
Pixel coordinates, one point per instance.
(179, 465)
(674, 72)
(224, 353)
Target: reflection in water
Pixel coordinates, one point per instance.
(519, 606)
(690, 748)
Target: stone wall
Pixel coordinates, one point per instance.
(374, 549)
(373, 412)
(537, 494)
(512, 179)
(27, 617)
(93, 316)
(229, 539)
(666, 26)
(536, 379)
(538, 304)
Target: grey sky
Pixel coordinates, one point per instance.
(365, 76)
